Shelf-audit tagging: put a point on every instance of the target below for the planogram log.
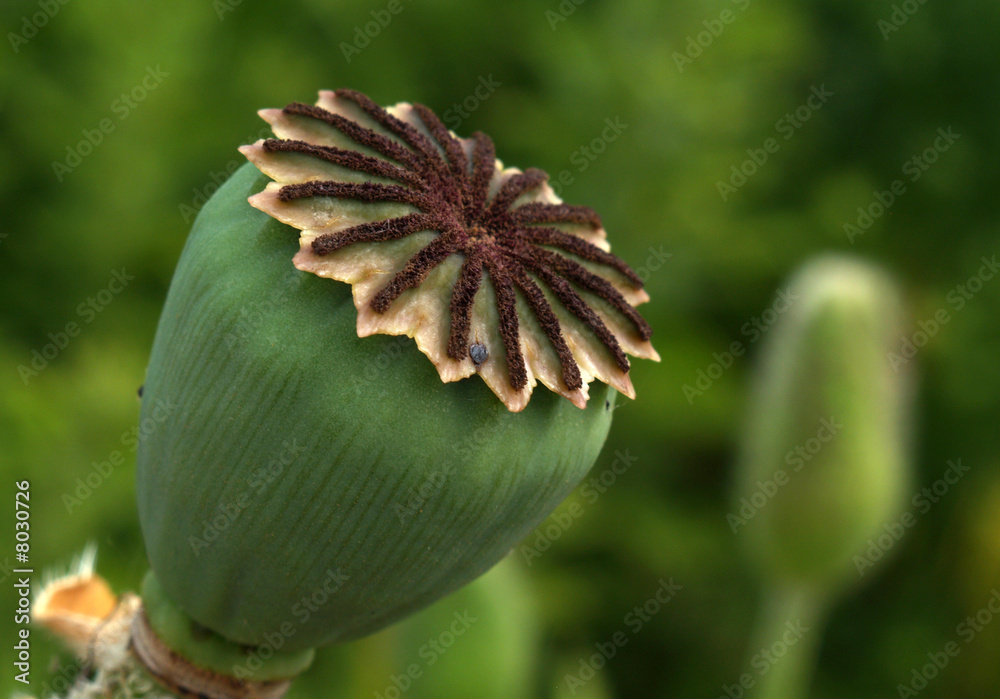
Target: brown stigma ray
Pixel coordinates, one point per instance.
(521, 246)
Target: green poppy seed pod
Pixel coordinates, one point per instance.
(303, 479)
(822, 469)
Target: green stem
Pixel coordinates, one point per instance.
(785, 642)
(183, 654)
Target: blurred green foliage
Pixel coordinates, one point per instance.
(126, 205)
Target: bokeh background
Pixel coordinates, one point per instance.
(695, 84)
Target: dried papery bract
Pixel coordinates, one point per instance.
(78, 606)
(80, 609)
(119, 652)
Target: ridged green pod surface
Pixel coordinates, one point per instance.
(295, 479)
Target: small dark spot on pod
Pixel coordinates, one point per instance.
(140, 390)
(199, 632)
(607, 405)
(478, 353)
